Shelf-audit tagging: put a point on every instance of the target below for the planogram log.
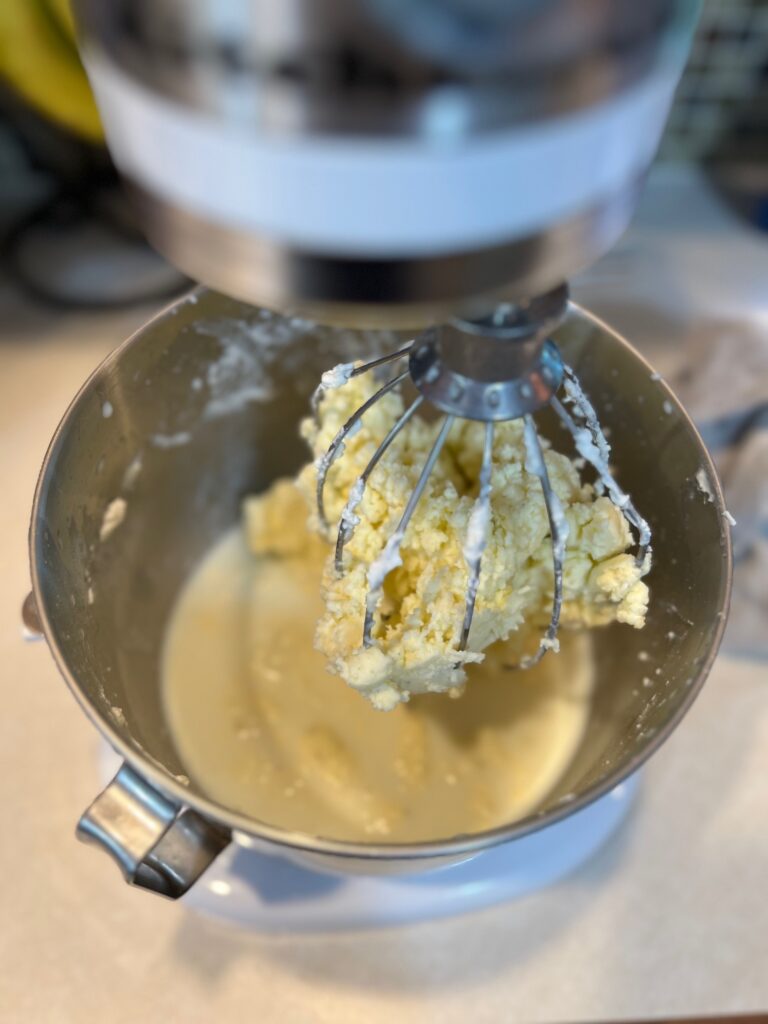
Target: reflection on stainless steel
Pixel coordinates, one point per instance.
(408, 292)
(687, 286)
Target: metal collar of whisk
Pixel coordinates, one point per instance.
(498, 367)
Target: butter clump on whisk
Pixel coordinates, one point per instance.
(416, 647)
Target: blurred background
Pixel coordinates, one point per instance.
(66, 236)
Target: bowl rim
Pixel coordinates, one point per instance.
(455, 847)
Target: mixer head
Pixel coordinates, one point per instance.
(383, 162)
(502, 367)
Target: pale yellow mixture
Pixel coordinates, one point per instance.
(422, 606)
(263, 728)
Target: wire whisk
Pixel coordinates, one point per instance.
(438, 361)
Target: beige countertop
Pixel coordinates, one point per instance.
(671, 917)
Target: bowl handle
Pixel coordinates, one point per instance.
(157, 844)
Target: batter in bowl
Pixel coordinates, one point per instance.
(263, 728)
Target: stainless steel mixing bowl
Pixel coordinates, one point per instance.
(149, 466)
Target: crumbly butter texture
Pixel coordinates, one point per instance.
(422, 607)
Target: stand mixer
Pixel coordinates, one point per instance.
(439, 163)
(436, 166)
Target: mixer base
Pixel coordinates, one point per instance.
(269, 893)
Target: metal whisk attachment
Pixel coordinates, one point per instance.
(501, 367)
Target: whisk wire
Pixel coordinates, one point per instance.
(340, 374)
(579, 418)
(478, 529)
(576, 396)
(558, 529)
(349, 519)
(381, 360)
(336, 446)
(591, 451)
(389, 558)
